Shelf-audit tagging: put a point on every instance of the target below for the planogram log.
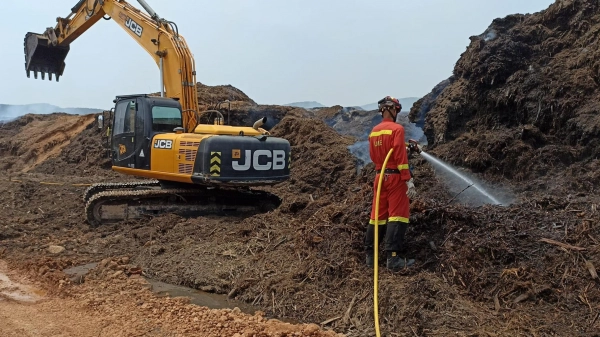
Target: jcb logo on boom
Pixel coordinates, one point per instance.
(274, 160)
(163, 144)
(134, 26)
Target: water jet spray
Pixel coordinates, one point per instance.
(448, 168)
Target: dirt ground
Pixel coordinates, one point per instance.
(116, 301)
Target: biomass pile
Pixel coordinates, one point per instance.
(522, 104)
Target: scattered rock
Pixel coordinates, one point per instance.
(56, 249)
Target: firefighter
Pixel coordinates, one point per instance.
(396, 189)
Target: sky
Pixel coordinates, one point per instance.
(332, 51)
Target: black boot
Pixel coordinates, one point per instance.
(370, 242)
(395, 262)
(370, 258)
(394, 242)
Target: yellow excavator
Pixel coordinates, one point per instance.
(194, 168)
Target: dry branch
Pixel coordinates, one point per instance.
(496, 303)
(333, 319)
(347, 314)
(592, 269)
(563, 245)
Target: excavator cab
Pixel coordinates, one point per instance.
(137, 119)
(44, 56)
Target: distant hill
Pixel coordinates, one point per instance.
(407, 103)
(306, 104)
(9, 112)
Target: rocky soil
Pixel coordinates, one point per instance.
(115, 300)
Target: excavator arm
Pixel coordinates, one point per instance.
(45, 53)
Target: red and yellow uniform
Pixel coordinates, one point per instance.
(397, 185)
(393, 201)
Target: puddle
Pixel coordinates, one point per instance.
(18, 292)
(198, 297)
(209, 300)
(162, 289)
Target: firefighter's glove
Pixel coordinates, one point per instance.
(417, 149)
(411, 192)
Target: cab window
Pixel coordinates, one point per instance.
(130, 118)
(119, 117)
(124, 117)
(165, 119)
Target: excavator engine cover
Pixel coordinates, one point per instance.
(242, 160)
(41, 56)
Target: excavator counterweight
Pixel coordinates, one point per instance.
(43, 57)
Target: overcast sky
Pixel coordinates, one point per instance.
(331, 51)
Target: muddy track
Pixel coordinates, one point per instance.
(113, 301)
(128, 204)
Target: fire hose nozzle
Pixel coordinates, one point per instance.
(413, 145)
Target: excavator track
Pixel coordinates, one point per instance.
(100, 187)
(112, 205)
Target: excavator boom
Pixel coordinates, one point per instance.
(46, 53)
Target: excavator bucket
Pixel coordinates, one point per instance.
(41, 56)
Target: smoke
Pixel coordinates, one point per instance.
(359, 123)
(11, 112)
(361, 151)
(428, 101)
(489, 34)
